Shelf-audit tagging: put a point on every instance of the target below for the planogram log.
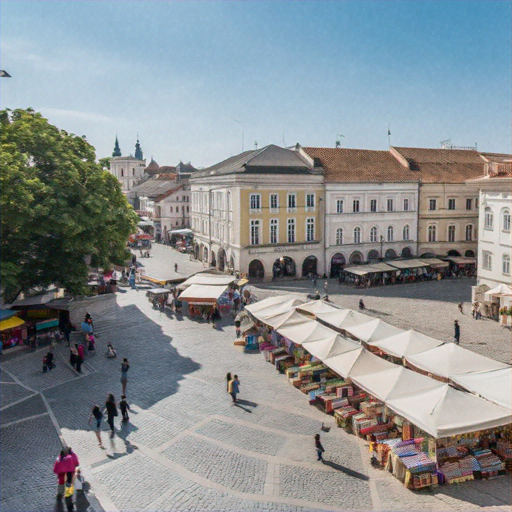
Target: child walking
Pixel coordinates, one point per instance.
(125, 407)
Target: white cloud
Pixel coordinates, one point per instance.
(58, 113)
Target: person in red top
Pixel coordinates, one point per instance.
(65, 468)
(80, 358)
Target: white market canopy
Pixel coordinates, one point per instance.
(383, 267)
(202, 294)
(374, 330)
(495, 386)
(449, 360)
(445, 411)
(403, 264)
(501, 289)
(435, 262)
(406, 343)
(318, 306)
(290, 317)
(357, 362)
(330, 347)
(344, 318)
(362, 270)
(309, 330)
(270, 301)
(207, 279)
(270, 311)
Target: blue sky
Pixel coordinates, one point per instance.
(191, 76)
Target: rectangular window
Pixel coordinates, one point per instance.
(390, 205)
(468, 204)
(406, 205)
(310, 230)
(274, 231)
(487, 260)
(170, 208)
(506, 264)
(291, 230)
(373, 205)
(255, 232)
(451, 204)
(355, 206)
(339, 206)
(255, 203)
(432, 204)
(292, 203)
(274, 203)
(451, 233)
(310, 202)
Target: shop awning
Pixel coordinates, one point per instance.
(375, 330)
(406, 343)
(181, 232)
(270, 301)
(495, 386)
(308, 330)
(46, 324)
(449, 360)
(362, 270)
(330, 347)
(37, 300)
(318, 306)
(383, 267)
(290, 317)
(459, 260)
(11, 323)
(345, 318)
(434, 262)
(6, 313)
(501, 289)
(445, 412)
(403, 264)
(202, 294)
(207, 279)
(145, 223)
(357, 362)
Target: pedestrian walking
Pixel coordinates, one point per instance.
(175, 267)
(457, 331)
(73, 357)
(96, 418)
(473, 309)
(49, 361)
(88, 320)
(80, 357)
(461, 306)
(326, 285)
(59, 468)
(125, 407)
(125, 366)
(228, 380)
(478, 313)
(234, 388)
(319, 448)
(111, 408)
(70, 475)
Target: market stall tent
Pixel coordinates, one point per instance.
(318, 306)
(495, 386)
(449, 360)
(271, 311)
(11, 323)
(309, 330)
(270, 301)
(290, 317)
(445, 411)
(357, 362)
(375, 330)
(344, 318)
(202, 294)
(330, 347)
(207, 279)
(501, 289)
(404, 264)
(406, 343)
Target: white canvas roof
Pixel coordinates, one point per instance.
(290, 317)
(197, 293)
(374, 330)
(207, 279)
(318, 306)
(383, 267)
(361, 270)
(495, 386)
(408, 264)
(275, 309)
(445, 411)
(270, 301)
(309, 330)
(449, 360)
(330, 347)
(395, 382)
(357, 362)
(501, 289)
(344, 318)
(435, 262)
(406, 343)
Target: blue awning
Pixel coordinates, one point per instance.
(6, 313)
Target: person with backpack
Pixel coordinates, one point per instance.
(125, 407)
(96, 417)
(319, 448)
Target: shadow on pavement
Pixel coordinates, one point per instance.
(345, 470)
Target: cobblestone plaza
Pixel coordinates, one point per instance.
(187, 447)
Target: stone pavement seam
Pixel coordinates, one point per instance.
(219, 487)
(268, 488)
(17, 401)
(23, 419)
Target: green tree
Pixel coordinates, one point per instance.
(59, 208)
(105, 163)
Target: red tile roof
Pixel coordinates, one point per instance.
(360, 165)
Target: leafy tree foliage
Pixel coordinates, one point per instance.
(60, 210)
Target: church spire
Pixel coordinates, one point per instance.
(117, 149)
(138, 150)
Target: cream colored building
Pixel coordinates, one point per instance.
(260, 213)
(448, 208)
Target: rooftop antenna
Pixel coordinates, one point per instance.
(446, 144)
(389, 135)
(338, 140)
(255, 144)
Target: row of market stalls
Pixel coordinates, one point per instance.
(402, 271)
(433, 412)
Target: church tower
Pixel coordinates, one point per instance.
(117, 149)
(138, 150)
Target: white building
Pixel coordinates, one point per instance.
(494, 242)
(129, 170)
(371, 206)
(172, 210)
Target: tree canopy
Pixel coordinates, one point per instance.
(60, 210)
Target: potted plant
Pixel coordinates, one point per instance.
(509, 315)
(503, 316)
